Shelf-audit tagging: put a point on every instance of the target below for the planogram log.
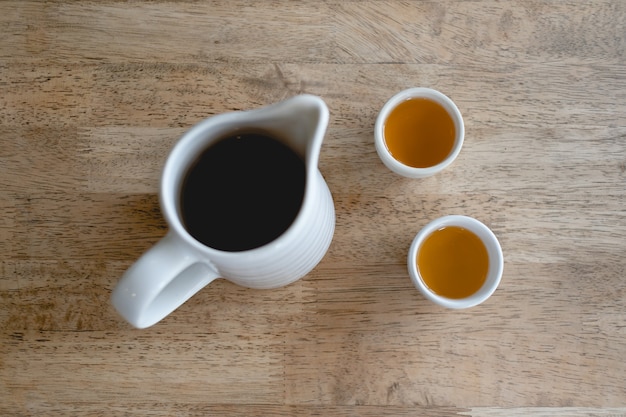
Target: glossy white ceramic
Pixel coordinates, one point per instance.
(178, 266)
(496, 261)
(379, 137)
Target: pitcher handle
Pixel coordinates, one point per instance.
(159, 282)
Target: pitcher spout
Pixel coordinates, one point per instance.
(300, 121)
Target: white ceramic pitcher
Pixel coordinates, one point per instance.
(178, 266)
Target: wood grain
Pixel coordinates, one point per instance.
(93, 95)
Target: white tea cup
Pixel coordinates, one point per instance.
(494, 253)
(392, 161)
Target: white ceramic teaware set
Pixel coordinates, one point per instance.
(178, 266)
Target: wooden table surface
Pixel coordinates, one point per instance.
(94, 94)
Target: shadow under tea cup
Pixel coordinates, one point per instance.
(419, 132)
(456, 262)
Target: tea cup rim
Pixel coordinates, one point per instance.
(494, 250)
(379, 138)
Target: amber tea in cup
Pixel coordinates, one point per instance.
(456, 261)
(419, 132)
(453, 262)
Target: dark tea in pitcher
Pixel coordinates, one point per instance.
(242, 192)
